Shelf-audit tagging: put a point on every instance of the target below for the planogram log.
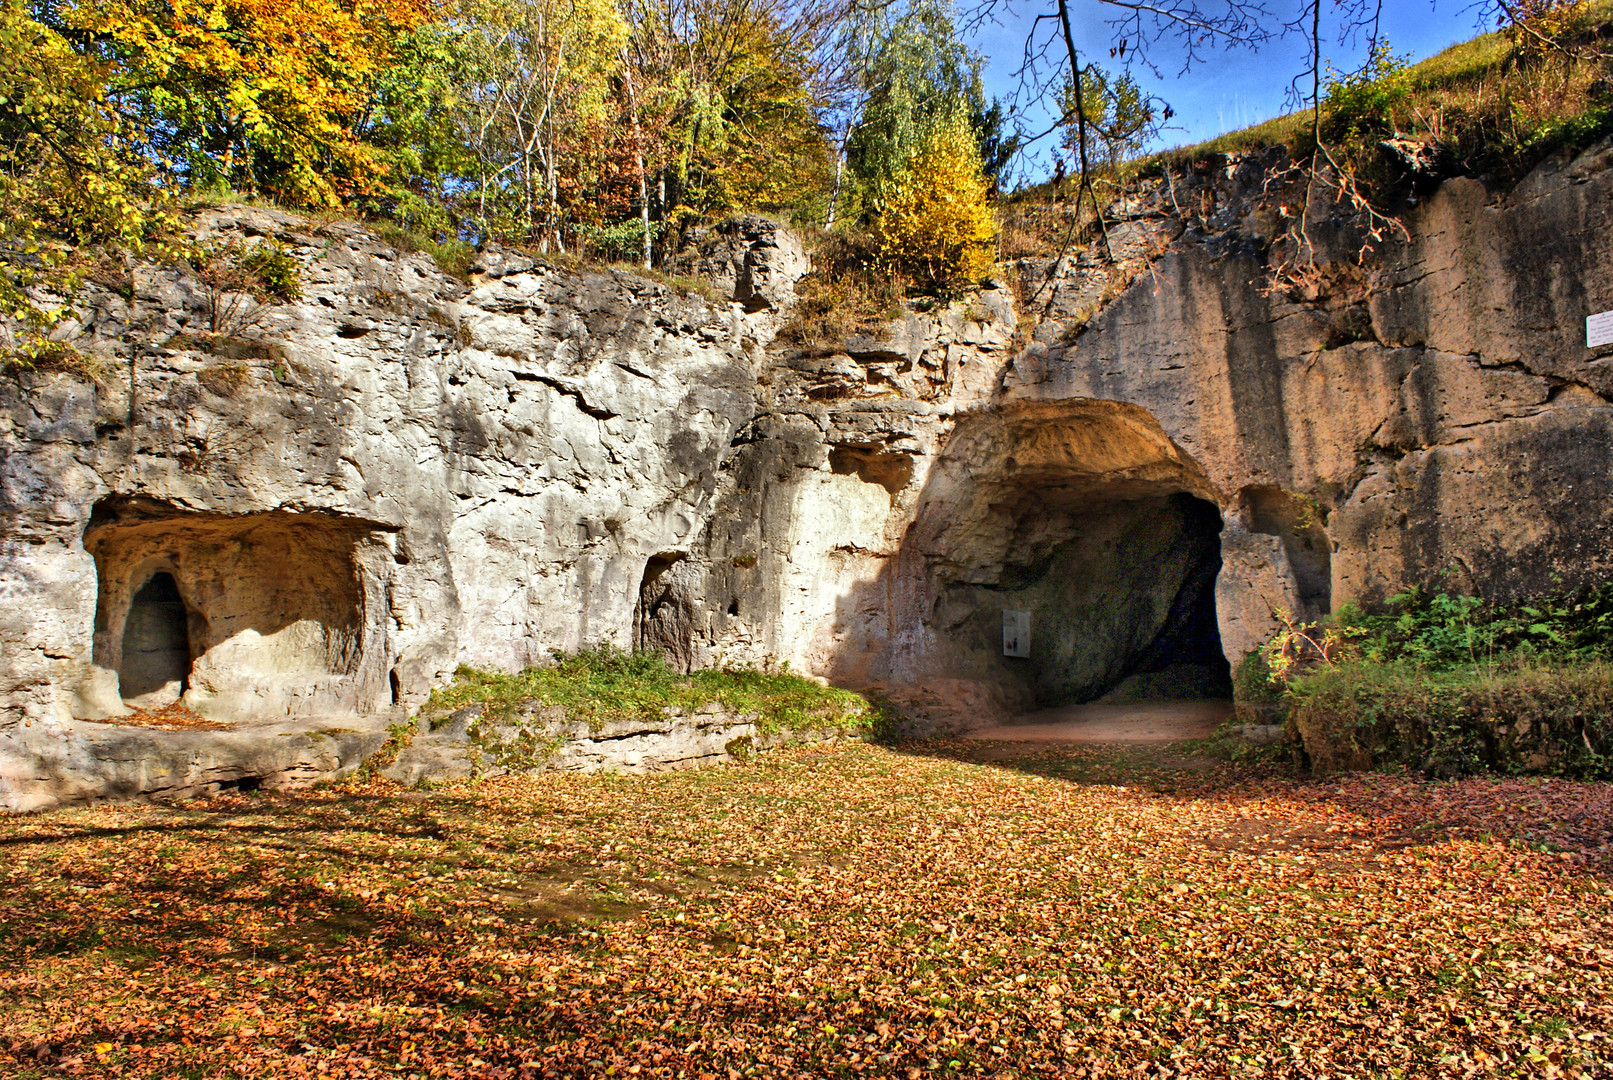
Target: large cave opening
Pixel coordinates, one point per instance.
(1085, 519)
(1120, 598)
(1124, 609)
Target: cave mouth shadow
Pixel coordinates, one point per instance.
(1123, 609)
(1080, 521)
(156, 655)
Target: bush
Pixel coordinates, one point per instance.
(1253, 681)
(1363, 106)
(1452, 684)
(1524, 717)
(272, 273)
(934, 222)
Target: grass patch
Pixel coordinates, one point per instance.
(453, 257)
(44, 356)
(604, 684)
(847, 292)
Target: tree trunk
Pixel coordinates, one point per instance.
(638, 158)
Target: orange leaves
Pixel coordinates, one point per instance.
(260, 91)
(934, 219)
(860, 912)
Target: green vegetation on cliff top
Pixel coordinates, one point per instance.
(1501, 100)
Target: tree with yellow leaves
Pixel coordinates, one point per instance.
(259, 95)
(934, 221)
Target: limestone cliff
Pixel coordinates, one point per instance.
(326, 511)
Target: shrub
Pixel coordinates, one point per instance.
(935, 222)
(272, 272)
(1452, 684)
(1523, 717)
(1362, 106)
(1253, 681)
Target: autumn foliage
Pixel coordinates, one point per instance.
(951, 910)
(935, 221)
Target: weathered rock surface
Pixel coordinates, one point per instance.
(354, 493)
(539, 739)
(47, 762)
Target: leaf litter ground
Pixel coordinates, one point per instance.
(1008, 910)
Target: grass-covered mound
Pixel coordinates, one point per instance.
(1451, 684)
(1554, 717)
(1494, 105)
(602, 684)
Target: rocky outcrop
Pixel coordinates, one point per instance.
(355, 492)
(47, 762)
(471, 744)
(323, 510)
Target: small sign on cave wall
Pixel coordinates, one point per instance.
(1016, 633)
(1599, 329)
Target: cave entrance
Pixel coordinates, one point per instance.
(1122, 601)
(1087, 518)
(156, 655)
(246, 616)
(664, 620)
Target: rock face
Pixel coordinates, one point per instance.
(323, 510)
(344, 499)
(46, 763)
(471, 744)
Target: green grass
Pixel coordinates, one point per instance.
(604, 684)
(453, 257)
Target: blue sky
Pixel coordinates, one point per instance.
(1227, 90)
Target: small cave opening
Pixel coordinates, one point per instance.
(156, 654)
(664, 620)
(241, 616)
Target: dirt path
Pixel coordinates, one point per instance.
(1146, 722)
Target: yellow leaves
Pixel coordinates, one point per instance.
(935, 221)
(267, 86)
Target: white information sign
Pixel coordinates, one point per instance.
(1016, 633)
(1599, 329)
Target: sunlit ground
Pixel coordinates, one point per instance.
(1054, 912)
